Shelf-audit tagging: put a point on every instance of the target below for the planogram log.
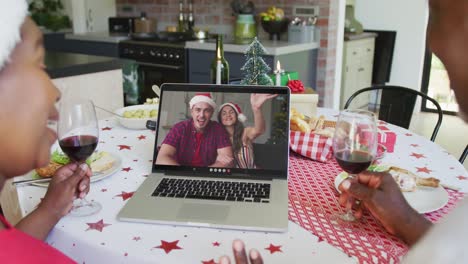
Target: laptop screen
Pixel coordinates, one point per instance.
(222, 130)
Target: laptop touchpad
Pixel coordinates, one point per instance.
(203, 211)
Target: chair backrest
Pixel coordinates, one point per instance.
(394, 104)
(464, 154)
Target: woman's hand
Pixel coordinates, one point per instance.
(240, 257)
(69, 182)
(257, 100)
(380, 194)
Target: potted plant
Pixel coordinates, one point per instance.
(49, 14)
(245, 29)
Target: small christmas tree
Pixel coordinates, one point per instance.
(255, 69)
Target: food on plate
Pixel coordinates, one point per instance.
(409, 181)
(99, 162)
(49, 170)
(317, 125)
(151, 101)
(102, 161)
(140, 113)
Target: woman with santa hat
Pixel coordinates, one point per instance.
(231, 117)
(27, 104)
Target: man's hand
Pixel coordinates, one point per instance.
(69, 182)
(380, 194)
(224, 161)
(257, 100)
(240, 257)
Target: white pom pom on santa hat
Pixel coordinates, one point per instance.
(240, 116)
(12, 15)
(202, 97)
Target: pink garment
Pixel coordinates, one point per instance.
(18, 247)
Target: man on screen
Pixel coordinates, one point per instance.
(199, 141)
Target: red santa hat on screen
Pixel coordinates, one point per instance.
(12, 15)
(202, 98)
(240, 116)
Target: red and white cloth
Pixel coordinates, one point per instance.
(316, 147)
(312, 235)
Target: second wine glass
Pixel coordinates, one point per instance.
(355, 144)
(78, 134)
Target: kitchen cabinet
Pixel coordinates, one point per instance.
(358, 57)
(58, 42)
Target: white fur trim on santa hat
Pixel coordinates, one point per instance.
(202, 97)
(240, 116)
(12, 15)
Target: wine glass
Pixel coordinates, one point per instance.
(355, 145)
(78, 134)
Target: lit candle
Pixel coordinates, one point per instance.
(278, 73)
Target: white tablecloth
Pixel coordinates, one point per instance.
(101, 238)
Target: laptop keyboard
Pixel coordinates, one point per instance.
(214, 190)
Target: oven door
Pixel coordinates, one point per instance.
(151, 73)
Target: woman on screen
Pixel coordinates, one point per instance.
(231, 117)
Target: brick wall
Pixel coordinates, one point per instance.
(216, 13)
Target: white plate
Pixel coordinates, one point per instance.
(115, 167)
(423, 200)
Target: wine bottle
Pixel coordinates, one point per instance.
(190, 22)
(181, 20)
(219, 66)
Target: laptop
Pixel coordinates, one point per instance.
(190, 189)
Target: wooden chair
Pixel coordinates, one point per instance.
(394, 104)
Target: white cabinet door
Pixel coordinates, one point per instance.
(92, 15)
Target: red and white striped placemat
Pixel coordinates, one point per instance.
(313, 201)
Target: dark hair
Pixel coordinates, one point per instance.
(238, 131)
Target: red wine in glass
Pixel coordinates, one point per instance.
(78, 133)
(78, 148)
(354, 145)
(353, 162)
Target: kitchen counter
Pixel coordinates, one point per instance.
(272, 47)
(63, 64)
(98, 37)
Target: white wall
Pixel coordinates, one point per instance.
(409, 19)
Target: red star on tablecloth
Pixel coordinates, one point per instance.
(125, 195)
(211, 261)
(272, 248)
(122, 147)
(414, 145)
(462, 178)
(168, 246)
(99, 225)
(417, 155)
(408, 134)
(216, 244)
(106, 128)
(424, 169)
(127, 169)
(141, 137)
(135, 160)
(137, 238)
(126, 254)
(103, 190)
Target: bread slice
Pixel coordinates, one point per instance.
(102, 162)
(49, 170)
(409, 181)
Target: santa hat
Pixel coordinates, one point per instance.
(236, 108)
(12, 15)
(202, 97)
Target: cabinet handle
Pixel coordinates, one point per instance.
(360, 69)
(368, 50)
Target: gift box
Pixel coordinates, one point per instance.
(315, 147)
(386, 138)
(306, 102)
(293, 75)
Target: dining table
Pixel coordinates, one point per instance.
(314, 235)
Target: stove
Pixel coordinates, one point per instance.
(161, 58)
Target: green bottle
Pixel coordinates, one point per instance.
(219, 65)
